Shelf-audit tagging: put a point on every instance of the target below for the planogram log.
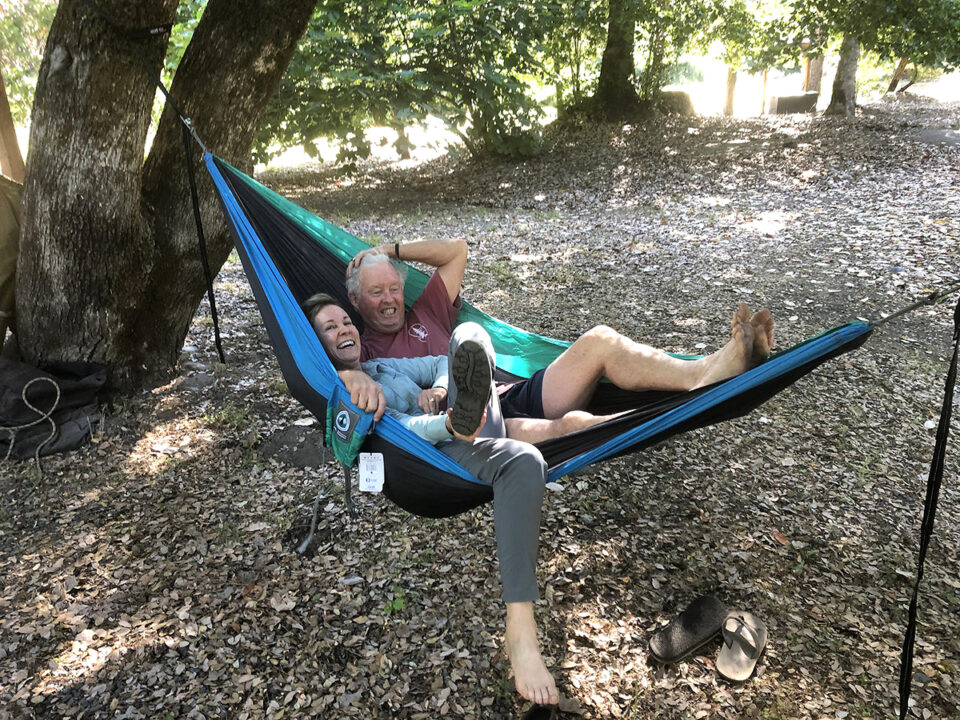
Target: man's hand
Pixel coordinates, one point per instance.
(365, 392)
(358, 258)
(466, 438)
(429, 400)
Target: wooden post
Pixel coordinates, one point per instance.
(11, 161)
(806, 71)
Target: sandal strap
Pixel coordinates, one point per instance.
(736, 630)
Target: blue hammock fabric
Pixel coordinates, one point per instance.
(289, 254)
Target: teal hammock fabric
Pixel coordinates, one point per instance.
(289, 254)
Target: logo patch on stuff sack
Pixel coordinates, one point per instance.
(345, 422)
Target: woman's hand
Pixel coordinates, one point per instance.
(430, 400)
(365, 392)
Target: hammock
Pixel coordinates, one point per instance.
(289, 254)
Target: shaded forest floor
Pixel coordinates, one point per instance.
(152, 574)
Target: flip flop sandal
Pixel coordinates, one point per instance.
(744, 638)
(471, 373)
(690, 630)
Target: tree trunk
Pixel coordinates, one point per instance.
(816, 73)
(615, 92)
(11, 161)
(109, 269)
(763, 92)
(898, 73)
(843, 101)
(731, 88)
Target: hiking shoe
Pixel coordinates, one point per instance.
(472, 376)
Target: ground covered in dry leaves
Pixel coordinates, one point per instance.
(152, 574)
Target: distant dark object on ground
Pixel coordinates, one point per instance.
(786, 104)
(676, 102)
(669, 102)
(53, 410)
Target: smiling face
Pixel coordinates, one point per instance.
(339, 336)
(380, 301)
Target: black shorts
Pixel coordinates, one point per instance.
(523, 399)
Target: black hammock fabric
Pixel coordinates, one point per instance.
(289, 254)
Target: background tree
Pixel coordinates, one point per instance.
(396, 62)
(843, 100)
(108, 268)
(616, 95)
(926, 31)
(660, 32)
(738, 28)
(24, 25)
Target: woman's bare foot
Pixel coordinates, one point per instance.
(736, 356)
(762, 323)
(534, 682)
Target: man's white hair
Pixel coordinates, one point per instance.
(353, 274)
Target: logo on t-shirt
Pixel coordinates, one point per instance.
(419, 332)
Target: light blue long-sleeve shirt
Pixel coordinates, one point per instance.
(402, 379)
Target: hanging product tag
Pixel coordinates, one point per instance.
(371, 472)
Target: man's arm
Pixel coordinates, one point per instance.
(448, 256)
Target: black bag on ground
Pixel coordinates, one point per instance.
(53, 410)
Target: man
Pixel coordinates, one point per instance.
(375, 287)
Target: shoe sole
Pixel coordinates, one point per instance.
(471, 374)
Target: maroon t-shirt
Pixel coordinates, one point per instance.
(426, 328)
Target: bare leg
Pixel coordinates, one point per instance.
(534, 682)
(534, 430)
(570, 380)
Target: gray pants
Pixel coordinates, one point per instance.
(518, 474)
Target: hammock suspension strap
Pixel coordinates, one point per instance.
(934, 481)
(202, 242)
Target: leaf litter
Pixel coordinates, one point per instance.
(152, 574)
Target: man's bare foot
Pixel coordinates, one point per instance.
(534, 682)
(736, 356)
(762, 323)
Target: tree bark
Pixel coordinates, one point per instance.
(731, 89)
(843, 101)
(898, 73)
(11, 161)
(616, 95)
(109, 269)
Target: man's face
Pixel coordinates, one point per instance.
(381, 298)
(339, 336)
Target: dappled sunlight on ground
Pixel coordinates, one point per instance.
(770, 223)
